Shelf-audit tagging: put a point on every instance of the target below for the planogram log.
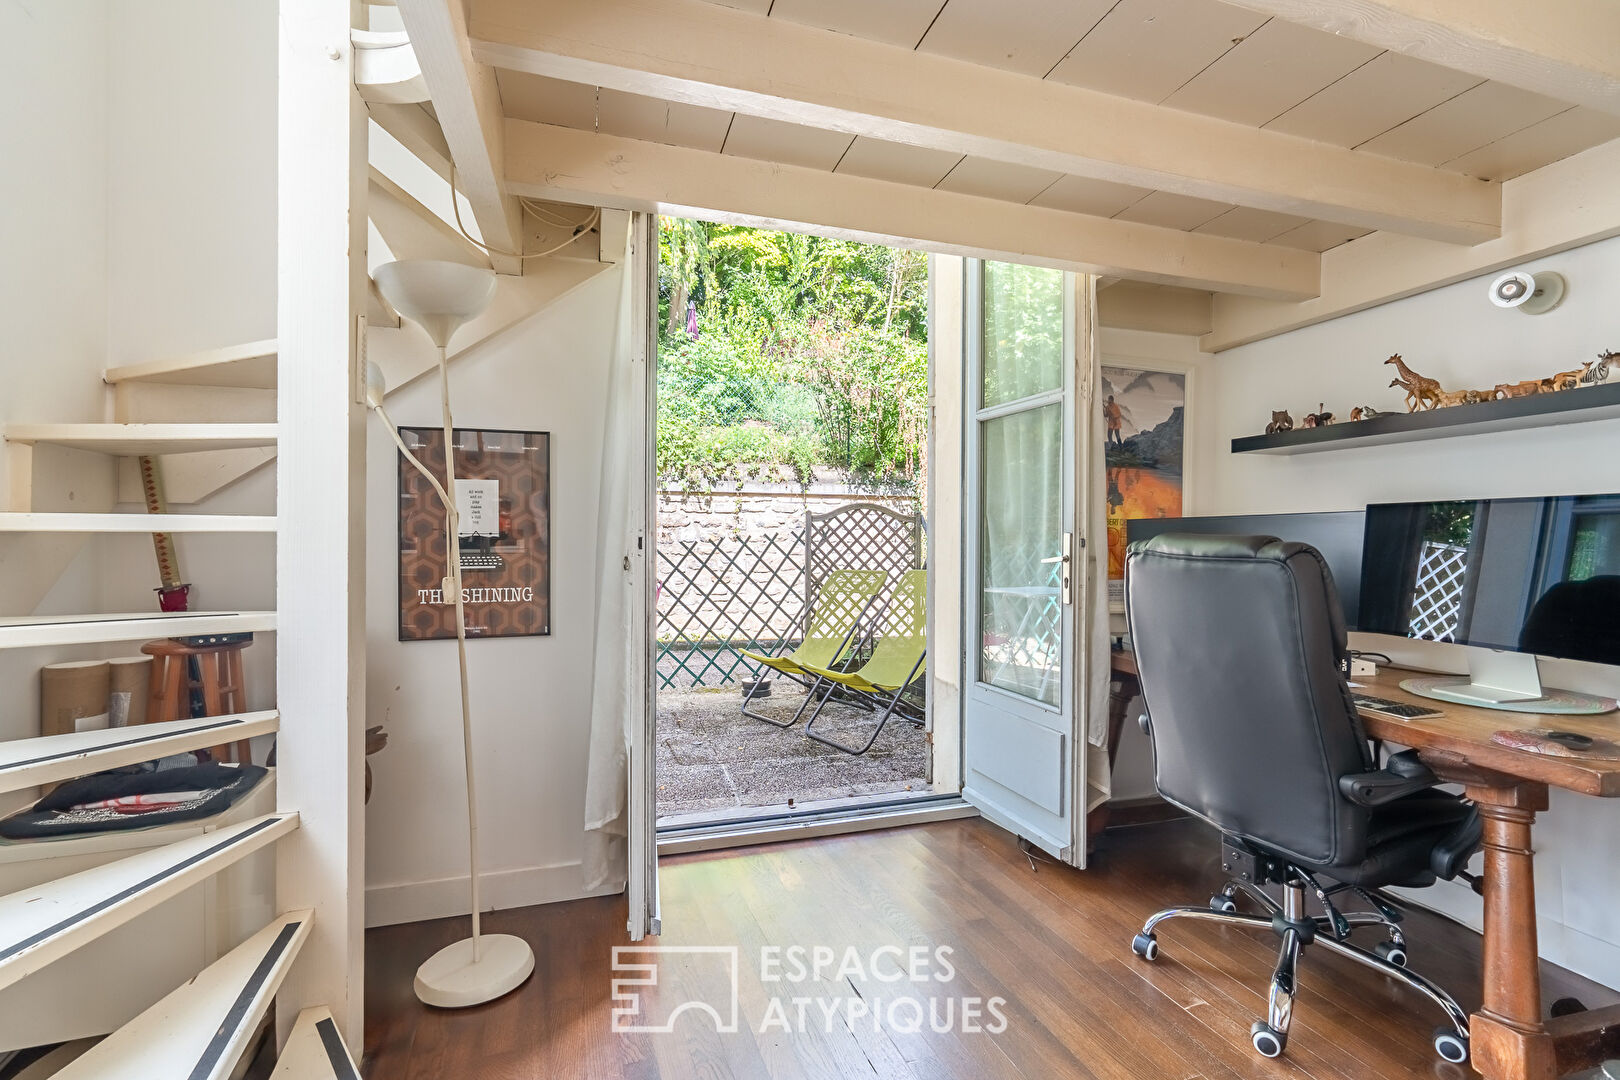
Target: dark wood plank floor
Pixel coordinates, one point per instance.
(1053, 942)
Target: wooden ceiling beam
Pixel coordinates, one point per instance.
(468, 105)
(715, 56)
(589, 169)
(1565, 49)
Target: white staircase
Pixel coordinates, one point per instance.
(201, 1030)
(69, 489)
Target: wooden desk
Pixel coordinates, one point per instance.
(1510, 1039)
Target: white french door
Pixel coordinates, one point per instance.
(641, 885)
(1021, 745)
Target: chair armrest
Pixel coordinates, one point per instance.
(1401, 776)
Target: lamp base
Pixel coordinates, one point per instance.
(451, 979)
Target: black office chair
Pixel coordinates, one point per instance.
(1238, 640)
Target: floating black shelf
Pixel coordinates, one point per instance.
(1601, 402)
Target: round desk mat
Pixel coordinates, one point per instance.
(1564, 702)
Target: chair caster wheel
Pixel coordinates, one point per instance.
(1450, 1046)
(1146, 946)
(1222, 902)
(1394, 953)
(1267, 1040)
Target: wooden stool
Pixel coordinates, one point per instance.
(224, 690)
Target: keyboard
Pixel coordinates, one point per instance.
(481, 560)
(1400, 710)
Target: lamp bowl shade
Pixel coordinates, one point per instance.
(438, 296)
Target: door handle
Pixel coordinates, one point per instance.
(1067, 569)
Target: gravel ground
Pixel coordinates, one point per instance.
(711, 757)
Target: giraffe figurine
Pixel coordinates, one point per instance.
(1421, 391)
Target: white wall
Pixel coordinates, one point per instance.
(531, 696)
(191, 194)
(1456, 336)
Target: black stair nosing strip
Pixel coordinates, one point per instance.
(119, 897)
(119, 745)
(336, 1053)
(244, 1000)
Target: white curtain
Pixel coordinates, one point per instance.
(613, 684)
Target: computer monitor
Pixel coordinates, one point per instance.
(1336, 535)
(1520, 577)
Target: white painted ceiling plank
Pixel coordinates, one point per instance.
(1029, 37)
(1527, 149)
(575, 166)
(1146, 49)
(1379, 95)
(1488, 112)
(781, 71)
(1564, 49)
(998, 180)
(791, 144)
(1172, 211)
(893, 22)
(1082, 195)
(1269, 72)
(898, 162)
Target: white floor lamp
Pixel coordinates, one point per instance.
(439, 297)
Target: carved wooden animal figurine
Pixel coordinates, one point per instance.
(1320, 418)
(1280, 422)
(1421, 391)
(1518, 389)
(1567, 380)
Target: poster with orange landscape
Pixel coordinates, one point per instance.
(1144, 418)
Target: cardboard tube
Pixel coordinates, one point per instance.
(131, 682)
(73, 696)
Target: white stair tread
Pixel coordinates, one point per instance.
(199, 1031)
(26, 763)
(138, 523)
(137, 439)
(315, 1050)
(252, 365)
(45, 922)
(30, 631)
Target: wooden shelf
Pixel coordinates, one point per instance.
(1600, 402)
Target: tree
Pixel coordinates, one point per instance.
(809, 351)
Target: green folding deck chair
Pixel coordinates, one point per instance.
(899, 659)
(840, 602)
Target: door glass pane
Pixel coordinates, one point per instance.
(1023, 331)
(1020, 542)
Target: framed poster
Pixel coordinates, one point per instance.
(503, 493)
(1144, 427)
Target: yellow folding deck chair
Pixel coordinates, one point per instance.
(840, 602)
(898, 660)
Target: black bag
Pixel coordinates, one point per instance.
(54, 814)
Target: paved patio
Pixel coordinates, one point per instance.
(711, 757)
